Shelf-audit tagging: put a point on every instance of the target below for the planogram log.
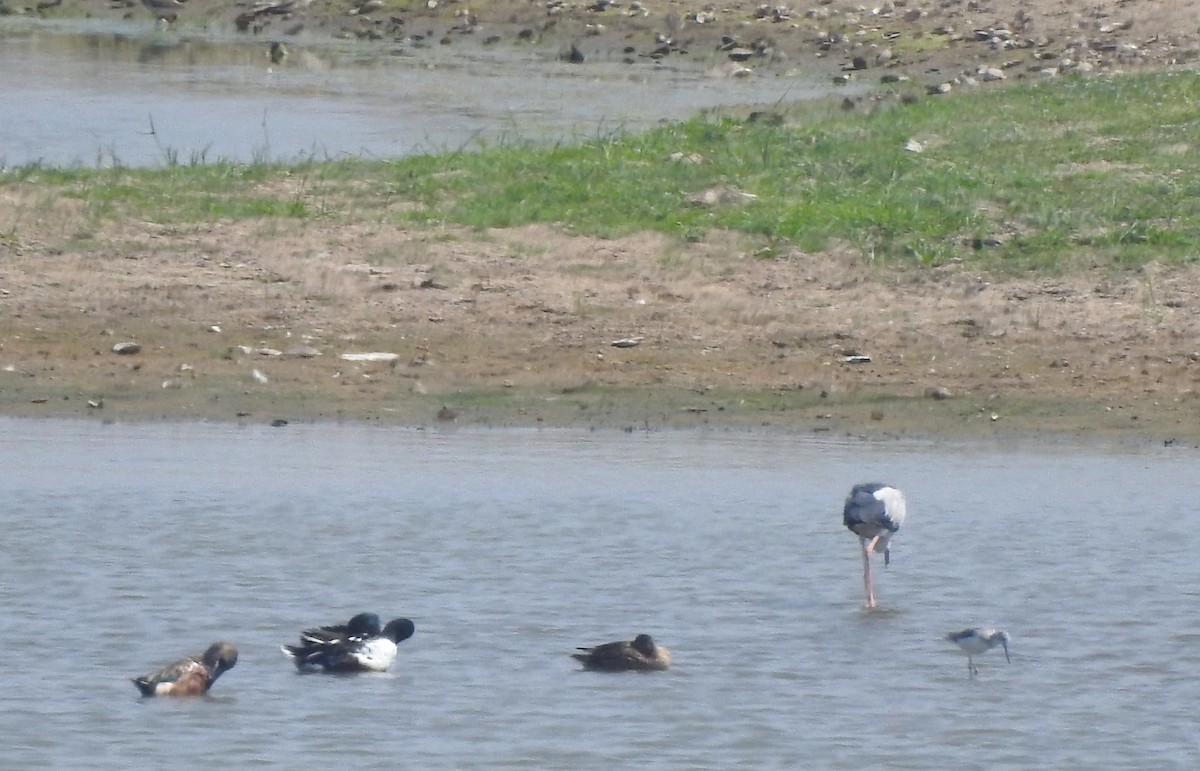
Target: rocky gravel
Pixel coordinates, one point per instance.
(932, 43)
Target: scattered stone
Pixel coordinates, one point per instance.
(716, 196)
(126, 349)
(445, 414)
(987, 242)
(278, 423)
(627, 342)
(431, 283)
(937, 393)
(857, 359)
(259, 376)
(766, 117)
(730, 70)
(572, 55)
(302, 352)
(373, 356)
(95, 404)
(913, 146)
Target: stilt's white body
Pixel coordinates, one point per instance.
(973, 642)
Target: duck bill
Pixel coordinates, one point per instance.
(1006, 658)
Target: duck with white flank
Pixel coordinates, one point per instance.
(874, 512)
(976, 641)
(360, 626)
(358, 646)
(638, 655)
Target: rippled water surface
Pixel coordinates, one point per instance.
(105, 94)
(126, 546)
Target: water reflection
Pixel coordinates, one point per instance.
(87, 94)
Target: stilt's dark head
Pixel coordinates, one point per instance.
(1004, 640)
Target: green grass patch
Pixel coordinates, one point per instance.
(1041, 176)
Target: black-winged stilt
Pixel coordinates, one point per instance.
(976, 641)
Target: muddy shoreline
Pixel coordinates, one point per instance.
(533, 327)
(251, 321)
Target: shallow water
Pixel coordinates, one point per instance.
(100, 94)
(126, 546)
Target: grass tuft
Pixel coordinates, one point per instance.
(1039, 176)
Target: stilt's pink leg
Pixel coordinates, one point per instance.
(867, 582)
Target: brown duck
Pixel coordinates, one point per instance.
(638, 655)
(191, 676)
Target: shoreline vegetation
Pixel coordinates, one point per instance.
(1019, 260)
